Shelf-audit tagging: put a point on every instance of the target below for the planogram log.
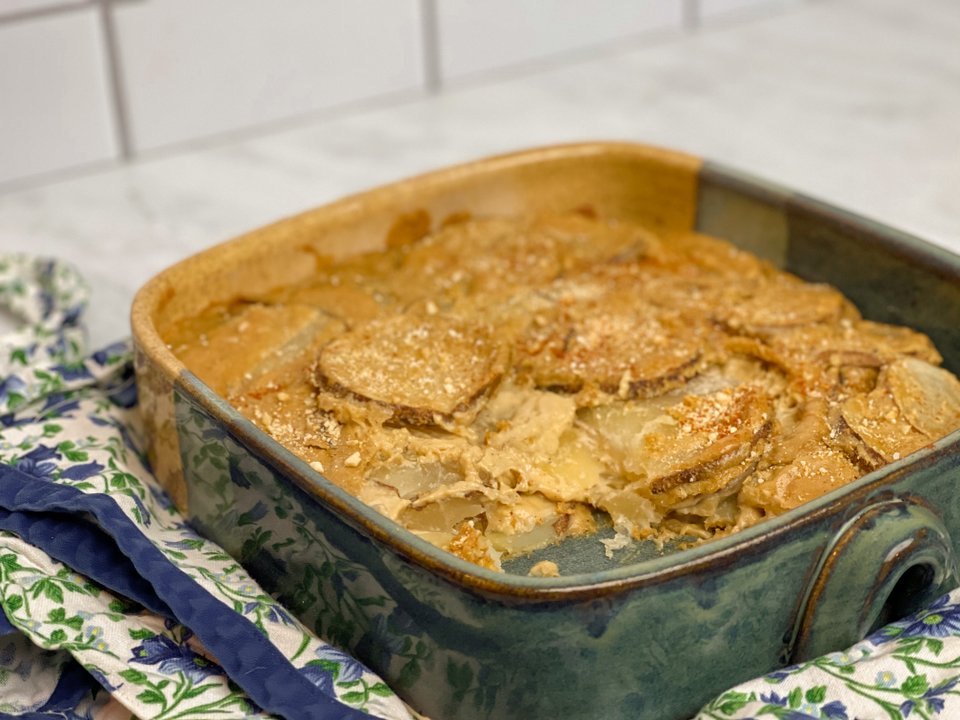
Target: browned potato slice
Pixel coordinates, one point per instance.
(719, 476)
(692, 254)
(422, 370)
(814, 472)
(671, 449)
(852, 344)
(785, 304)
(928, 396)
(346, 299)
(584, 241)
(799, 428)
(620, 352)
(282, 401)
(894, 339)
(479, 257)
(877, 421)
(914, 403)
(716, 509)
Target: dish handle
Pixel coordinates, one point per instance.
(892, 558)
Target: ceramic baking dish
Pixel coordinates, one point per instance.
(647, 635)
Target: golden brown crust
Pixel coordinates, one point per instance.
(493, 384)
(424, 371)
(626, 352)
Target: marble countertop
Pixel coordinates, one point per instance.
(853, 101)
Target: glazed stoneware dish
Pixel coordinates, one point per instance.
(647, 634)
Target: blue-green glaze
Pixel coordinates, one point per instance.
(898, 547)
(653, 638)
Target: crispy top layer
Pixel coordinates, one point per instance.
(499, 383)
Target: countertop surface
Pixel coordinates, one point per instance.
(853, 101)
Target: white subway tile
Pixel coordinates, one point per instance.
(55, 111)
(715, 8)
(195, 69)
(476, 36)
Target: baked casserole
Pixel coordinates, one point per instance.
(496, 384)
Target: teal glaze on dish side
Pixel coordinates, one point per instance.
(653, 638)
(565, 650)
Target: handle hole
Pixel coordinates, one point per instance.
(911, 593)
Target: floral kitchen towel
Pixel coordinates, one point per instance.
(112, 605)
(909, 669)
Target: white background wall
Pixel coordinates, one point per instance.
(84, 83)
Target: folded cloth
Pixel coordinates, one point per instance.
(909, 669)
(112, 604)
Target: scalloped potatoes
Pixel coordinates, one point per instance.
(495, 384)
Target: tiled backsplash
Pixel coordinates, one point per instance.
(195, 69)
(88, 81)
(492, 34)
(23, 7)
(54, 94)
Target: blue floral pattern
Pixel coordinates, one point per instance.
(70, 423)
(909, 669)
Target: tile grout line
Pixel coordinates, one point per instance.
(35, 13)
(430, 45)
(118, 104)
(691, 14)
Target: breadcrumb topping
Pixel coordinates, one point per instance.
(497, 384)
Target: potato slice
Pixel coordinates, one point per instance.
(664, 448)
(928, 396)
(572, 472)
(716, 509)
(814, 472)
(523, 525)
(482, 256)
(876, 420)
(627, 509)
(723, 475)
(529, 421)
(440, 517)
(693, 254)
(785, 304)
(862, 342)
(252, 342)
(422, 370)
(584, 241)
(412, 479)
(282, 401)
(628, 353)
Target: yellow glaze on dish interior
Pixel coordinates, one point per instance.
(496, 383)
(635, 182)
